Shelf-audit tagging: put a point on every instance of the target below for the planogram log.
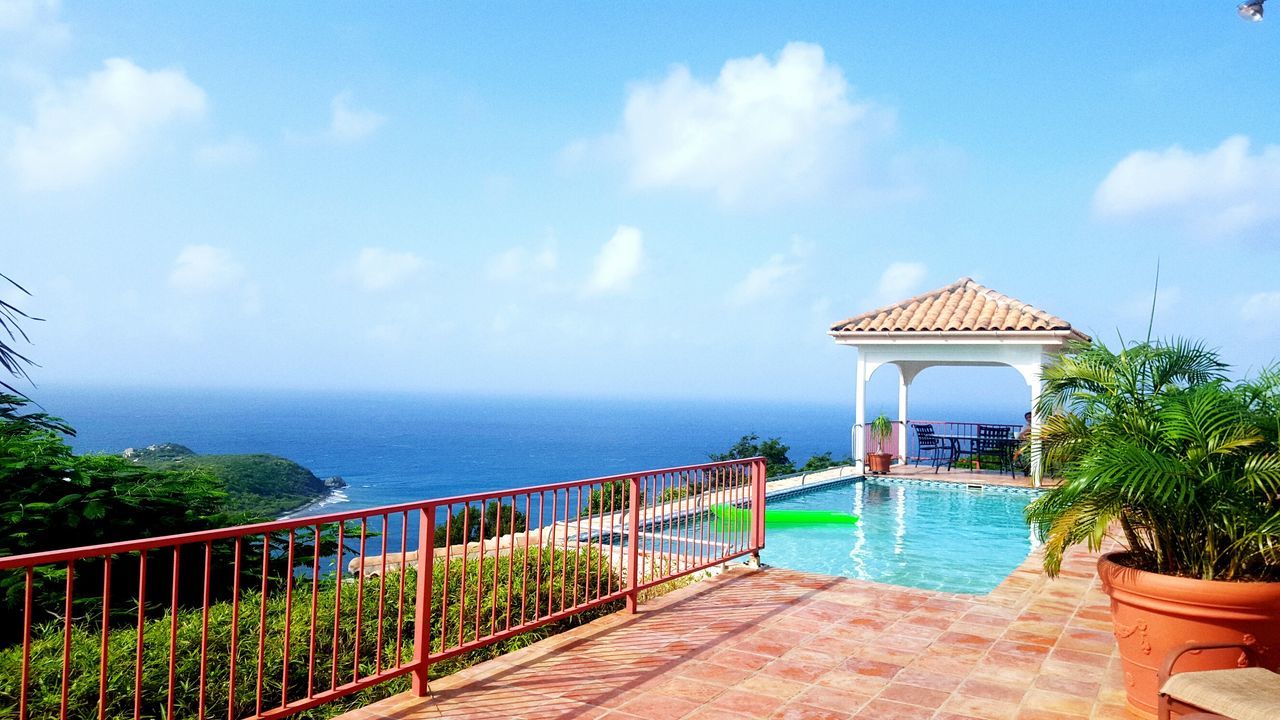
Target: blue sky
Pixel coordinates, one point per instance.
(646, 201)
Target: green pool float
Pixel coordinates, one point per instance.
(739, 517)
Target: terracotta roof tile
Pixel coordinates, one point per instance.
(962, 306)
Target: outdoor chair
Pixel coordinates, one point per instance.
(996, 441)
(1240, 693)
(933, 448)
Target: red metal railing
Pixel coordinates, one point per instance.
(965, 433)
(267, 620)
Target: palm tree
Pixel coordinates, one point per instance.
(1154, 441)
(11, 360)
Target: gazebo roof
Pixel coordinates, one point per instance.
(964, 306)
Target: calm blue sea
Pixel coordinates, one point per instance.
(397, 448)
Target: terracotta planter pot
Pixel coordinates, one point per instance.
(879, 462)
(1155, 613)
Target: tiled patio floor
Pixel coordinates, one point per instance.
(777, 643)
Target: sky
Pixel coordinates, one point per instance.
(666, 200)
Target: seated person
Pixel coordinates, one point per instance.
(1024, 440)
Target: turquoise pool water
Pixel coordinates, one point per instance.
(914, 534)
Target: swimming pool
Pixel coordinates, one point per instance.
(917, 534)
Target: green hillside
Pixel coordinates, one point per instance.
(261, 485)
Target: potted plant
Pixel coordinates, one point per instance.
(881, 430)
(1159, 451)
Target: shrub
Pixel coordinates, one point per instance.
(1156, 443)
(499, 519)
(535, 590)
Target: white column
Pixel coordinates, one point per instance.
(860, 415)
(1035, 428)
(903, 386)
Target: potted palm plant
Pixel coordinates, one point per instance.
(881, 430)
(1181, 468)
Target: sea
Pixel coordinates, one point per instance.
(393, 448)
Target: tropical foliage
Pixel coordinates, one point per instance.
(260, 484)
(772, 450)
(1159, 448)
(775, 454)
(881, 431)
(468, 524)
(12, 361)
(540, 587)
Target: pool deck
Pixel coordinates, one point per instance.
(784, 644)
(911, 472)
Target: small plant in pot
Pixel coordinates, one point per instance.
(1180, 467)
(881, 430)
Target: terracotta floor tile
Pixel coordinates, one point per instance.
(1111, 712)
(709, 713)
(738, 659)
(808, 655)
(746, 703)
(772, 686)
(920, 677)
(980, 688)
(1057, 702)
(791, 670)
(660, 707)
(979, 707)
(853, 682)
(1079, 686)
(747, 644)
(914, 695)
(837, 699)
(708, 672)
(888, 710)
(871, 668)
(688, 688)
(1034, 714)
(798, 711)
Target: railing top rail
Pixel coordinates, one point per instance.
(913, 421)
(959, 422)
(125, 546)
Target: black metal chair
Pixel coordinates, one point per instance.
(932, 447)
(996, 441)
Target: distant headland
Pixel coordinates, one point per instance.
(260, 484)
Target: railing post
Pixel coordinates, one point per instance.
(422, 605)
(633, 545)
(758, 472)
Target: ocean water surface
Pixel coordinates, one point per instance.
(397, 448)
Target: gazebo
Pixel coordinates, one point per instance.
(962, 324)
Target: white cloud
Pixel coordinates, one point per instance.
(89, 126)
(1261, 311)
(771, 278)
(381, 269)
(899, 281)
(764, 281)
(1220, 193)
(32, 22)
(230, 152)
(619, 262)
(520, 262)
(761, 131)
(204, 269)
(350, 123)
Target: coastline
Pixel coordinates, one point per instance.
(335, 496)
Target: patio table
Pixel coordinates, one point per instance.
(955, 439)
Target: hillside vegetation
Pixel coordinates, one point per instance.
(261, 485)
